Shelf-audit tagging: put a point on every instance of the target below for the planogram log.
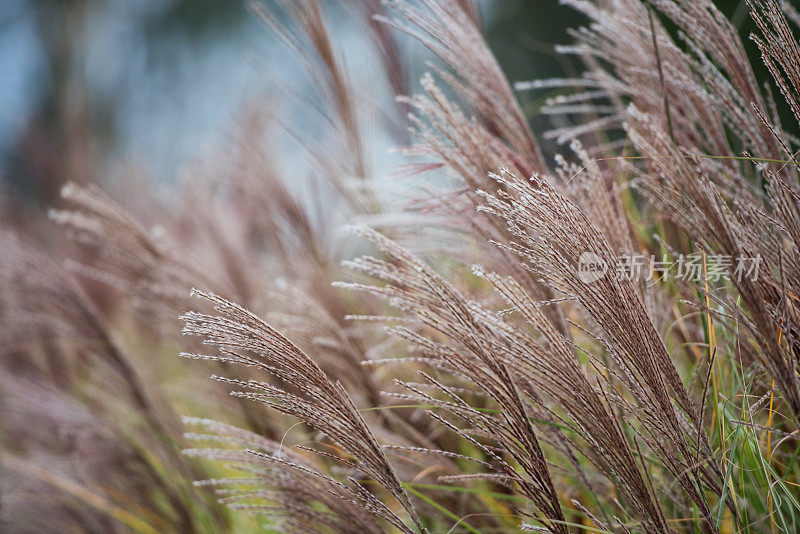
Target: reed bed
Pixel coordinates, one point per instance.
(504, 336)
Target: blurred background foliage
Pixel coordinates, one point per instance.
(91, 85)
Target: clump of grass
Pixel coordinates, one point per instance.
(506, 391)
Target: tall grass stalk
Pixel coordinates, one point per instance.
(446, 364)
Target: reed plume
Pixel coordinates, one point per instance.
(464, 372)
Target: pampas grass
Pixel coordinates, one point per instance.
(458, 372)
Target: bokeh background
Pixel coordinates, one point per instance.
(89, 87)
